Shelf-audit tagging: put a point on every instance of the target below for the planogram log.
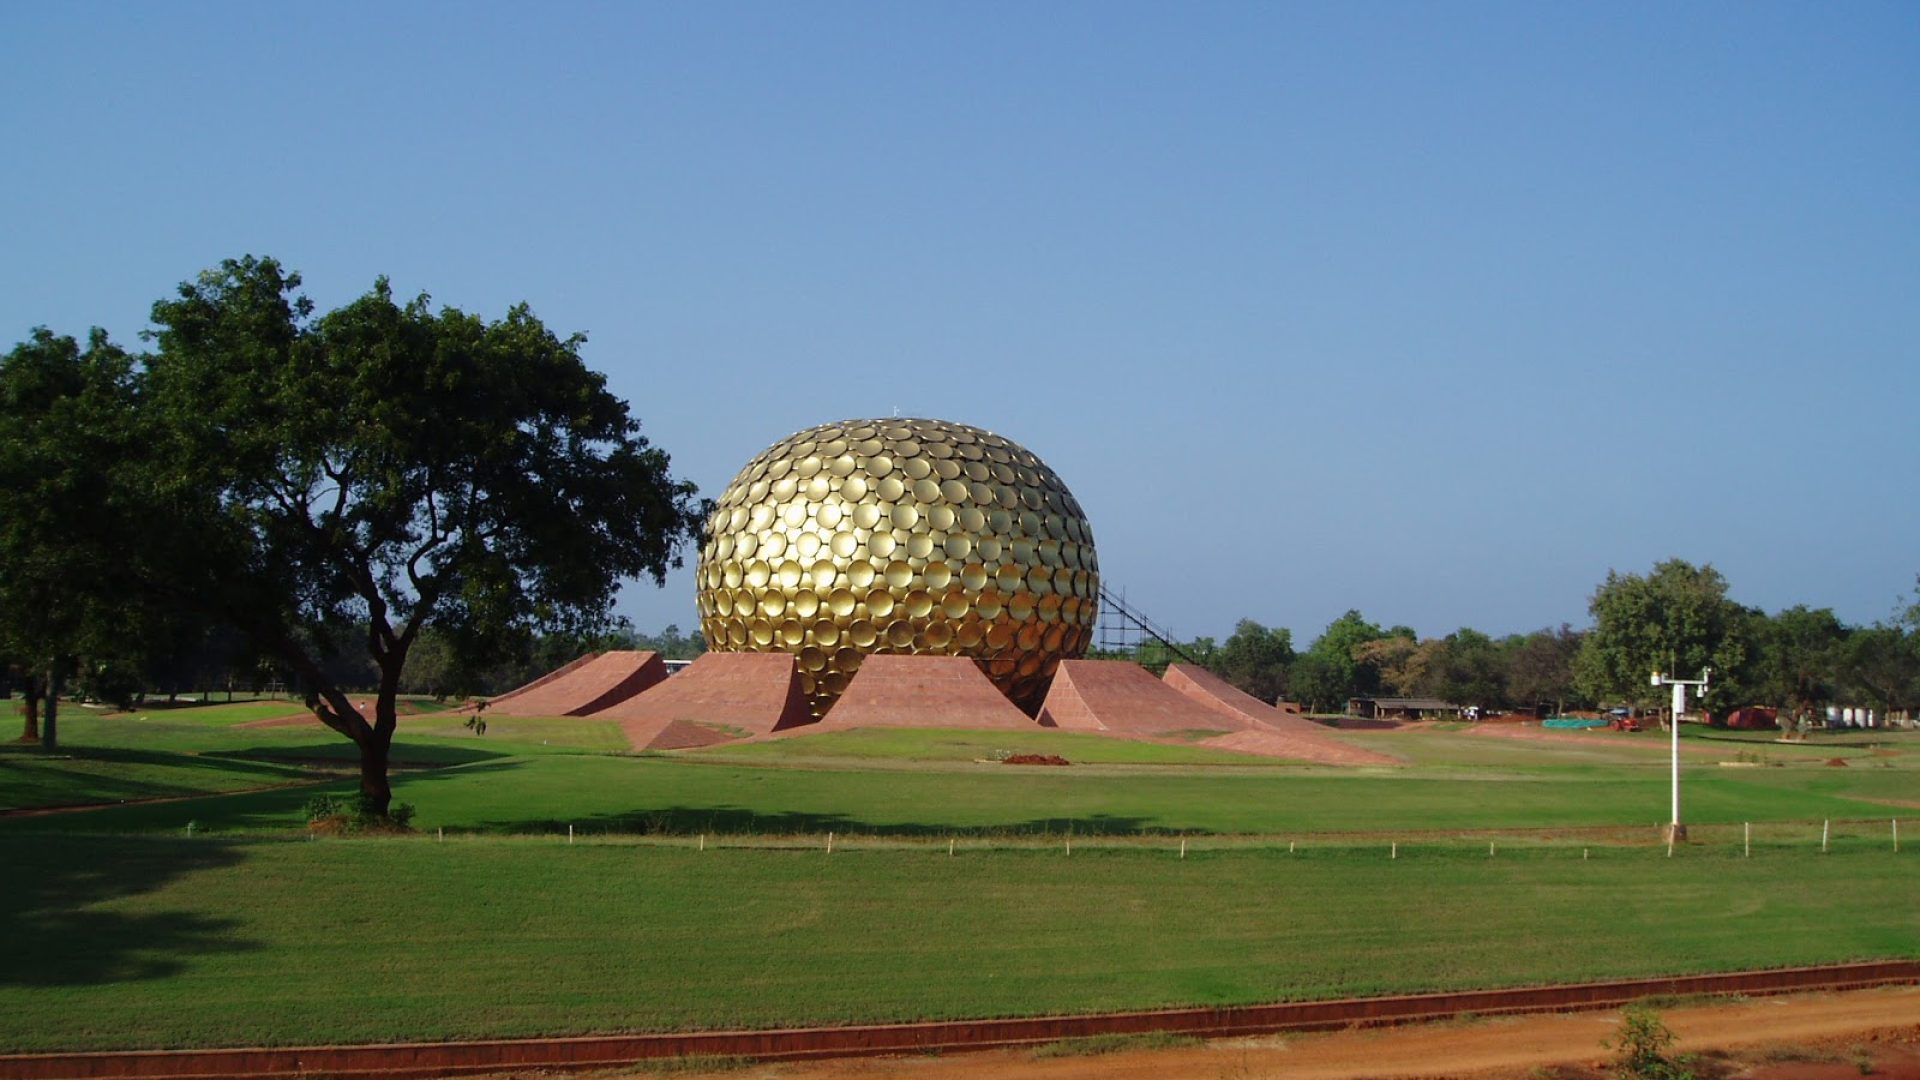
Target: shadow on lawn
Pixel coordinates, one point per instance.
(280, 808)
(738, 821)
(341, 752)
(58, 934)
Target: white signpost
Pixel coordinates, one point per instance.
(1675, 830)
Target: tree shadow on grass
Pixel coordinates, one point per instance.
(57, 897)
(740, 821)
(343, 753)
(279, 808)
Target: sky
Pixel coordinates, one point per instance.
(1439, 311)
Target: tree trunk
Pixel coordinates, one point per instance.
(376, 793)
(31, 710)
(50, 722)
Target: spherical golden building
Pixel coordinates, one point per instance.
(900, 536)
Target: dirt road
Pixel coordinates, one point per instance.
(1807, 1037)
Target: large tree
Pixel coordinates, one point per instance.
(1540, 668)
(1798, 660)
(1256, 659)
(1329, 672)
(344, 482)
(1676, 619)
(1469, 669)
(69, 409)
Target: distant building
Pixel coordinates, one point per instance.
(1401, 708)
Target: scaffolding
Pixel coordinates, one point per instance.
(1123, 628)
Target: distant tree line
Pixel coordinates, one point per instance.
(1677, 619)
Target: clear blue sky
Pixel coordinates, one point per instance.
(1434, 310)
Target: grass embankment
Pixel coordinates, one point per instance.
(150, 941)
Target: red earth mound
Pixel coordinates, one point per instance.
(1035, 759)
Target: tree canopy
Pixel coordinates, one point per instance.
(350, 480)
(1675, 619)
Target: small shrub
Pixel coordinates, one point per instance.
(352, 813)
(1645, 1048)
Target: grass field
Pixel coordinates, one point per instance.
(168, 942)
(126, 931)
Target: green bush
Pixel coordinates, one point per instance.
(1644, 1048)
(355, 815)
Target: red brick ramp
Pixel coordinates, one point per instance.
(1119, 697)
(588, 685)
(719, 697)
(1265, 729)
(923, 692)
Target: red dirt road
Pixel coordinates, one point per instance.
(1805, 1037)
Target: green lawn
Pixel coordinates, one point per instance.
(496, 791)
(125, 931)
(133, 942)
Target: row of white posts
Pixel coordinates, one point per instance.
(1393, 849)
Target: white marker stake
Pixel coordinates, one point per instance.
(1749, 840)
(1289, 847)
(440, 833)
(569, 834)
(949, 847)
(829, 843)
(1183, 847)
(1069, 845)
(1585, 854)
(1825, 827)
(1669, 845)
(703, 841)
(1395, 851)
(1489, 849)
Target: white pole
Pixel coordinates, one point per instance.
(1679, 707)
(1069, 845)
(1289, 847)
(440, 833)
(1396, 850)
(569, 834)
(1585, 854)
(1489, 849)
(1825, 827)
(1183, 847)
(949, 847)
(829, 843)
(703, 841)
(1749, 840)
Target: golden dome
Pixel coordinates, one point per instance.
(900, 536)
